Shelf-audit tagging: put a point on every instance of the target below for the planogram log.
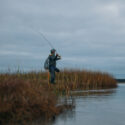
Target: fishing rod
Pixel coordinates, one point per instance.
(43, 36)
(49, 43)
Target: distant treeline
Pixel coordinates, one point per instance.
(120, 80)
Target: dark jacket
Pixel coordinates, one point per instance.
(52, 60)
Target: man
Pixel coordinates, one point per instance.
(52, 65)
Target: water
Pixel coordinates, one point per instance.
(103, 107)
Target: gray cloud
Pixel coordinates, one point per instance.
(88, 34)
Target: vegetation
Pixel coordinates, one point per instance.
(27, 96)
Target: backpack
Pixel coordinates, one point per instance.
(46, 64)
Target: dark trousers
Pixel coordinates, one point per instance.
(52, 71)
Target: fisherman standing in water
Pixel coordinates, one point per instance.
(50, 64)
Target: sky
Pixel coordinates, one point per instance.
(88, 34)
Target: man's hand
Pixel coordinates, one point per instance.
(57, 54)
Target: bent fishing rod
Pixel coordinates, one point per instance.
(49, 43)
(43, 36)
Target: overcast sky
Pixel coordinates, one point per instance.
(88, 34)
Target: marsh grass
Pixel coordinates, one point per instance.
(27, 96)
(76, 79)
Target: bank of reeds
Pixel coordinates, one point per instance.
(72, 80)
(26, 96)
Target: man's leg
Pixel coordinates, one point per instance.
(52, 75)
(57, 70)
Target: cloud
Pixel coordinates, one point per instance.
(89, 33)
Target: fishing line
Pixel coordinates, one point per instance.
(46, 40)
(43, 36)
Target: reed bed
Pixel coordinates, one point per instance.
(77, 79)
(22, 100)
(27, 96)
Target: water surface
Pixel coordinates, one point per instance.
(103, 107)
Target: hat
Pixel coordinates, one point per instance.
(52, 50)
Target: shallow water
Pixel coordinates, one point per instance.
(103, 107)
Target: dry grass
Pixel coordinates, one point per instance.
(73, 80)
(25, 96)
(22, 100)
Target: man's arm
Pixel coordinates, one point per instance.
(58, 57)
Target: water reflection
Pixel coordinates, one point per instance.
(69, 114)
(95, 107)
